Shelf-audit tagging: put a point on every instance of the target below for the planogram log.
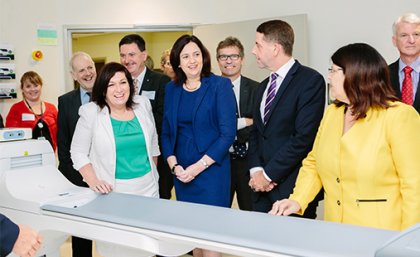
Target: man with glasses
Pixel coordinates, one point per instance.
(84, 72)
(230, 57)
(151, 84)
(405, 71)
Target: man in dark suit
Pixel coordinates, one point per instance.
(406, 38)
(83, 71)
(290, 105)
(230, 56)
(151, 84)
(19, 239)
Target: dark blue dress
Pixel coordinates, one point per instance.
(212, 186)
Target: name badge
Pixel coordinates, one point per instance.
(28, 117)
(149, 94)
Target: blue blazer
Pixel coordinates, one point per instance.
(9, 232)
(214, 122)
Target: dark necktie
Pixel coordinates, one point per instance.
(89, 94)
(407, 86)
(271, 93)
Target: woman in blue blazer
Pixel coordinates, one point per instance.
(199, 126)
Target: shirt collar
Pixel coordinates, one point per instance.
(282, 72)
(415, 65)
(237, 82)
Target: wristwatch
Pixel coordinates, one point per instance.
(204, 163)
(173, 168)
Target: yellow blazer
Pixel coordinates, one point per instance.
(371, 174)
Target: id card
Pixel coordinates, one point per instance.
(149, 94)
(28, 117)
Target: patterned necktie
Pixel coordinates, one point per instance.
(271, 93)
(407, 86)
(136, 86)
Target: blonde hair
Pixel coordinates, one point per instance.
(165, 54)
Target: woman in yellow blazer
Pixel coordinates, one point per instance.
(366, 151)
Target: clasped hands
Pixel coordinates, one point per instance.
(259, 183)
(188, 174)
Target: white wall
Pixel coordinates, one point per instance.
(332, 23)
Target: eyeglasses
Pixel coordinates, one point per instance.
(331, 70)
(233, 57)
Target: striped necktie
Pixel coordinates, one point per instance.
(271, 93)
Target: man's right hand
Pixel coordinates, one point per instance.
(27, 243)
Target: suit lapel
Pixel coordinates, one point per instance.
(257, 118)
(105, 120)
(145, 85)
(395, 78)
(416, 103)
(176, 97)
(283, 86)
(77, 101)
(200, 94)
(243, 95)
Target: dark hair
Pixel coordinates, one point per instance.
(231, 42)
(133, 38)
(367, 83)
(280, 32)
(101, 84)
(32, 76)
(177, 48)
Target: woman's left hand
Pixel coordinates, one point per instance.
(190, 172)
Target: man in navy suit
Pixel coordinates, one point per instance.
(406, 38)
(19, 239)
(151, 84)
(290, 105)
(230, 56)
(83, 71)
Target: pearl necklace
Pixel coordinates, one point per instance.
(187, 88)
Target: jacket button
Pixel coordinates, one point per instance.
(338, 180)
(338, 202)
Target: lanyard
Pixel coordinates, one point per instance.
(39, 123)
(30, 108)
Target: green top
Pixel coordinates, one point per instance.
(132, 158)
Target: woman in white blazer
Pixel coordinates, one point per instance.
(115, 144)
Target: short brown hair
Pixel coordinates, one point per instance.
(32, 76)
(367, 81)
(280, 32)
(231, 42)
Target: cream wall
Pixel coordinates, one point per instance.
(331, 24)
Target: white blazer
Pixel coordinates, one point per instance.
(93, 140)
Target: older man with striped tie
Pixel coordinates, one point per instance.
(290, 105)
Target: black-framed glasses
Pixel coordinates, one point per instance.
(331, 70)
(224, 57)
